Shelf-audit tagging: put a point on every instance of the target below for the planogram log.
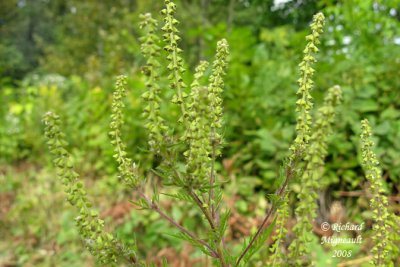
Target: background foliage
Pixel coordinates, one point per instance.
(64, 55)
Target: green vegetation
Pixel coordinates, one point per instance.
(200, 164)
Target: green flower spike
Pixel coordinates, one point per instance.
(175, 65)
(197, 132)
(278, 256)
(215, 90)
(383, 247)
(91, 228)
(127, 169)
(155, 124)
(317, 150)
(304, 103)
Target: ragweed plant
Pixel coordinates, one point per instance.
(300, 149)
(314, 160)
(301, 145)
(384, 247)
(187, 156)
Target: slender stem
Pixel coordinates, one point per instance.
(221, 256)
(289, 173)
(157, 209)
(200, 204)
(271, 210)
(210, 220)
(208, 215)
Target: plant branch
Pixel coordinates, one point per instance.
(260, 229)
(210, 220)
(201, 205)
(289, 173)
(153, 206)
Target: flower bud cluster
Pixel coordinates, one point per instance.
(197, 132)
(175, 65)
(378, 202)
(314, 158)
(91, 228)
(278, 256)
(215, 90)
(304, 103)
(126, 168)
(155, 124)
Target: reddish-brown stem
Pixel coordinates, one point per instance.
(200, 204)
(271, 210)
(289, 172)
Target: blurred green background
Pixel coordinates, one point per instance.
(64, 55)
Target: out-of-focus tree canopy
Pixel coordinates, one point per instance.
(74, 37)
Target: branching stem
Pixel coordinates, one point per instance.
(210, 220)
(153, 206)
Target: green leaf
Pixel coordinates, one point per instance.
(365, 105)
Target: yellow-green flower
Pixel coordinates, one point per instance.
(314, 160)
(304, 103)
(155, 124)
(91, 228)
(383, 246)
(126, 168)
(175, 65)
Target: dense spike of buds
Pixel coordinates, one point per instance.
(155, 124)
(382, 243)
(304, 103)
(91, 228)
(278, 256)
(299, 148)
(127, 170)
(314, 158)
(215, 90)
(175, 65)
(197, 132)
